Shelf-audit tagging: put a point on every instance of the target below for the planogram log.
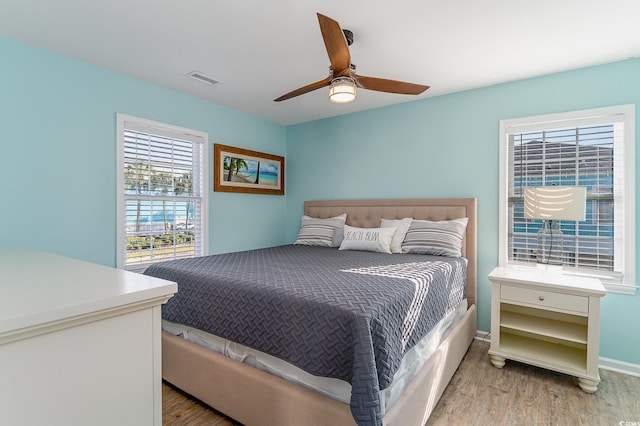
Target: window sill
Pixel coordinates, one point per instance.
(609, 283)
(629, 290)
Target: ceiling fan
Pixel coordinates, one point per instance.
(342, 79)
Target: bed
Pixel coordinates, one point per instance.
(256, 397)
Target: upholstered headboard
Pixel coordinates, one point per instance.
(367, 214)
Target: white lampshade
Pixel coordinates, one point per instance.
(342, 90)
(555, 203)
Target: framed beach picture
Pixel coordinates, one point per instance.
(242, 170)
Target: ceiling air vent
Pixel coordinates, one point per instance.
(203, 78)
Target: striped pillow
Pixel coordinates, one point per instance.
(321, 232)
(439, 238)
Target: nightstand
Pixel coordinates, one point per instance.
(547, 319)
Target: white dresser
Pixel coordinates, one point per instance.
(549, 320)
(79, 342)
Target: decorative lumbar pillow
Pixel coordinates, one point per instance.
(440, 238)
(321, 232)
(367, 239)
(402, 226)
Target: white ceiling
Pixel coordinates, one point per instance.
(261, 49)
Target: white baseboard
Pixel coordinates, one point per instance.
(604, 363)
(619, 366)
(483, 336)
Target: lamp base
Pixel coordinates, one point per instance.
(550, 242)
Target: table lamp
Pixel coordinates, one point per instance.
(551, 204)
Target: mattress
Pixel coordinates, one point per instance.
(346, 315)
(337, 389)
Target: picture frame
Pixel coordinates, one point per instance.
(242, 170)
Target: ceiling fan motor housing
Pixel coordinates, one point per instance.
(348, 34)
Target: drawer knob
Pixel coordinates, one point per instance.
(541, 298)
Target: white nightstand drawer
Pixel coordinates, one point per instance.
(549, 299)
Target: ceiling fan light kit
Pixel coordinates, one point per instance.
(342, 90)
(343, 79)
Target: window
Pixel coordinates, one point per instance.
(162, 190)
(591, 148)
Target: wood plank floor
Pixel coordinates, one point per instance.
(180, 409)
(480, 394)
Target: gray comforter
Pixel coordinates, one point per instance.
(349, 315)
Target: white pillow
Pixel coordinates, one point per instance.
(321, 232)
(402, 226)
(367, 239)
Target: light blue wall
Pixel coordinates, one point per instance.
(58, 156)
(58, 160)
(448, 146)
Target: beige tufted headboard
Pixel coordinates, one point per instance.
(367, 214)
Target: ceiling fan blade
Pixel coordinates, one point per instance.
(336, 44)
(389, 86)
(306, 89)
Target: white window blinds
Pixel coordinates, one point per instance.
(588, 150)
(162, 187)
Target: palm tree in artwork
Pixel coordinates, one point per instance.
(258, 174)
(228, 161)
(237, 164)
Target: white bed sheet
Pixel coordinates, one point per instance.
(337, 389)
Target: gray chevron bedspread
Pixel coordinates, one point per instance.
(349, 315)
